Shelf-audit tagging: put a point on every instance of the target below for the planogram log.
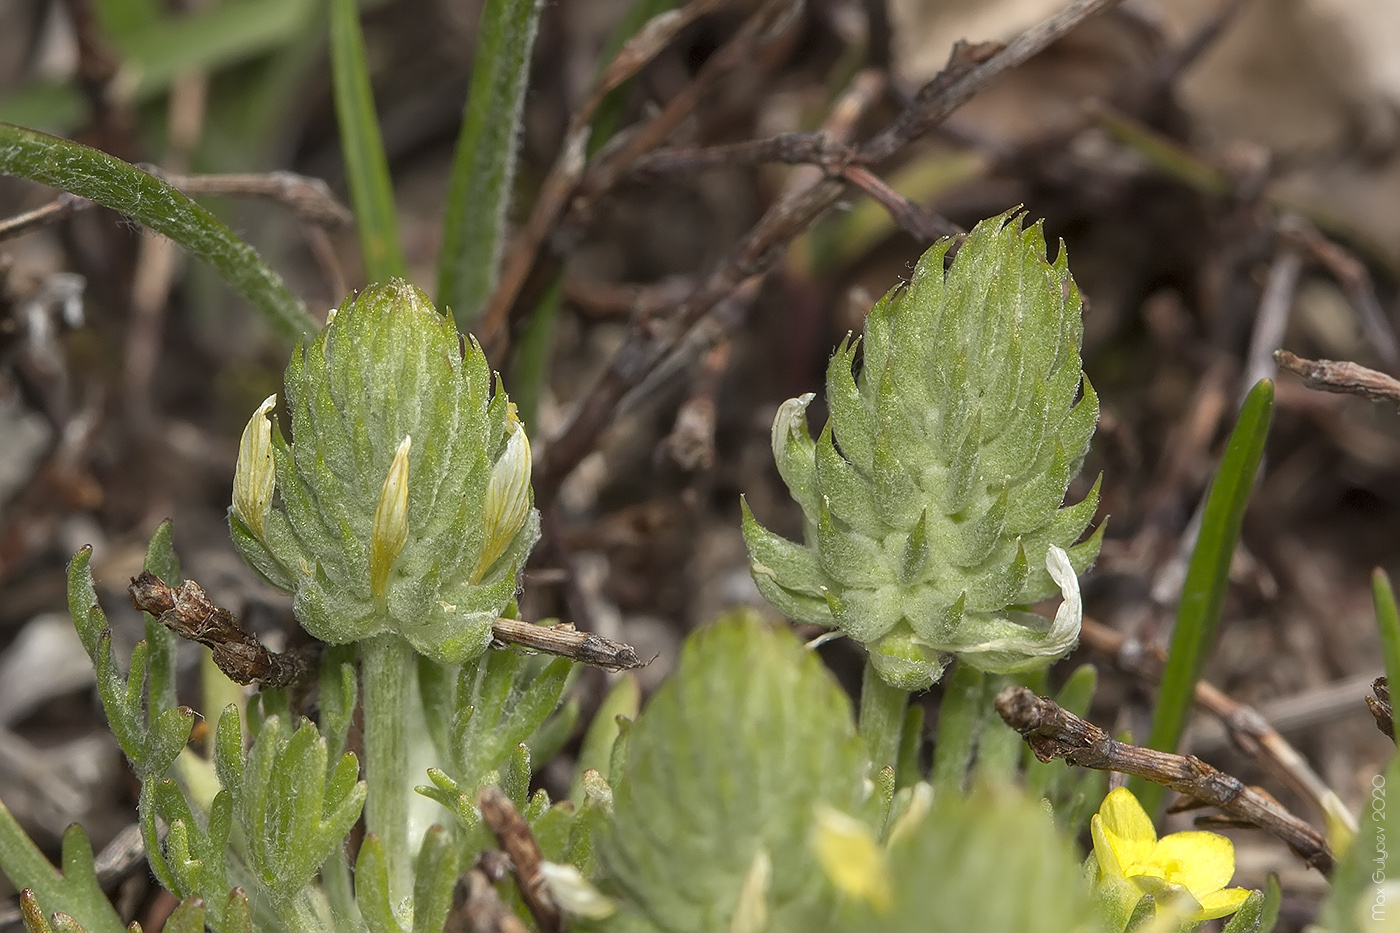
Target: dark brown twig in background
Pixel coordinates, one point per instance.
(59, 209)
(789, 148)
(513, 833)
(565, 641)
(970, 70)
(563, 178)
(1053, 732)
(188, 612)
(1342, 377)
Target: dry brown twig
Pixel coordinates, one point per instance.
(970, 70)
(476, 904)
(189, 613)
(565, 641)
(1342, 377)
(515, 838)
(1053, 732)
(1250, 732)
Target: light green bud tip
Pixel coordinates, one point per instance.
(373, 532)
(932, 498)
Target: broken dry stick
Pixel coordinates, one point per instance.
(189, 613)
(1053, 732)
(1342, 377)
(513, 833)
(565, 641)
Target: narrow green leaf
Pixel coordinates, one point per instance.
(483, 168)
(432, 888)
(209, 38)
(126, 189)
(909, 771)
(1388, 621)
(366, 167)
(1207, 578)
(122, 18)
(372, 888)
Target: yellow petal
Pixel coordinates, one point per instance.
(852, 859)
(1103, 849)
(1126, 829)
(1201, 862)
(1221, 903)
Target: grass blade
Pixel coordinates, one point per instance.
(1388, 621)
(1207, 577)
(99, 177)
(483, 168)
(366, 167)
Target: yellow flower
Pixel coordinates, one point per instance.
(1185, 873)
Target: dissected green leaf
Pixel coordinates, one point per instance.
(730, 758)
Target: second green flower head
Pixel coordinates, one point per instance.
(402, 503)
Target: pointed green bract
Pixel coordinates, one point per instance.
(388, 367)
(932, 498)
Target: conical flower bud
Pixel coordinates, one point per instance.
(369, 539)
(932, 499)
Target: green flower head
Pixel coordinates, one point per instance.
(402, 502)
(932, 500)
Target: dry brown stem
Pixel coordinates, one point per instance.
(189, 613)
(1053, 732)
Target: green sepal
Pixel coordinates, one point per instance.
(187, 917)
(851, 422)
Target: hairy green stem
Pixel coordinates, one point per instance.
(387, 664)
(882, 709)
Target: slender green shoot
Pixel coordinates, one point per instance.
(107, 180)
(1207, 578)
(366, 167)
(483, 169)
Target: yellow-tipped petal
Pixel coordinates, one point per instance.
(507, 496)
(751, 910)
(390, 521)
(254, 478)
(852, 859)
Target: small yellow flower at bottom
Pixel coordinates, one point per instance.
(1186, 872)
